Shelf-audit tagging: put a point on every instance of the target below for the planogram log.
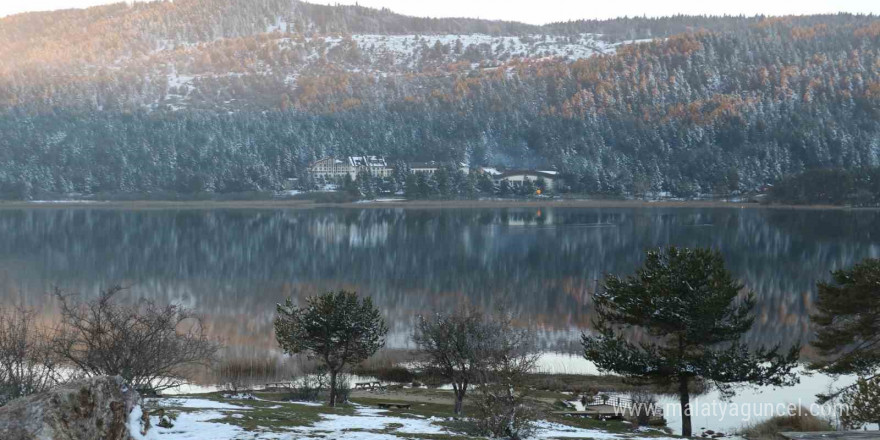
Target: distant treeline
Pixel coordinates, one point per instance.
(857, 187)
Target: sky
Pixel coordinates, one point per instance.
(544, 11)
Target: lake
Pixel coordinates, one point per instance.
(234, 265)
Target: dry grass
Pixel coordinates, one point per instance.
(801, 421)
(237, 374)
(387, 366)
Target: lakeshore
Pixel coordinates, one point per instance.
(402, 204)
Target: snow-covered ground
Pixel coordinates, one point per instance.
(202, 419)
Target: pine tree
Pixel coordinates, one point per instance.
(469, 184)
(861, 404)
(486, 185)
(504, 188)
(527, 188)
(686, 302)
(366, 185)
(411, 187)
(336, 328)
(444, 182)
(847, 328)
(351, 187)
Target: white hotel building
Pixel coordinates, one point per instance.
(333, 168)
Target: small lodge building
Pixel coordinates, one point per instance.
(519, 177)
(432, 167)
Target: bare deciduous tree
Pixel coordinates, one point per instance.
(504, 409)
(146, 343)
(27, 364)
(455, 346)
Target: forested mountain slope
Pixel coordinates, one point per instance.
(238, 95)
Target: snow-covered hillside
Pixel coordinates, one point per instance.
(282, 59)
(531, 46)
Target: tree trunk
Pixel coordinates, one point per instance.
(459, 399)
(332, 388)
(685, 399)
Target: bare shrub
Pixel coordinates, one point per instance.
(316, 386)
(455, 346)
(504, 409)
(391, 373)
(238, 374)
(800, 420)
(27, 363)
(146, 343)
(308, 389)
(643, 404)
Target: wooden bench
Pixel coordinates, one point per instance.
(368, 385)
(574, 413)
(604, 415)
(398, 405)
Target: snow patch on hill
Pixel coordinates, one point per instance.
(531, 46)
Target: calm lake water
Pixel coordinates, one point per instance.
(233, 266)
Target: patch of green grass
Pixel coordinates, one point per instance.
(265, 415)
(437, 436)
(547, 395)
(275, 414)
(417, 408)
(612, 426)
(274, 418)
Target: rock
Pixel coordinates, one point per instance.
(96, 408)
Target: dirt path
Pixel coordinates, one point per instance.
(442, 397)
(414, 396)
